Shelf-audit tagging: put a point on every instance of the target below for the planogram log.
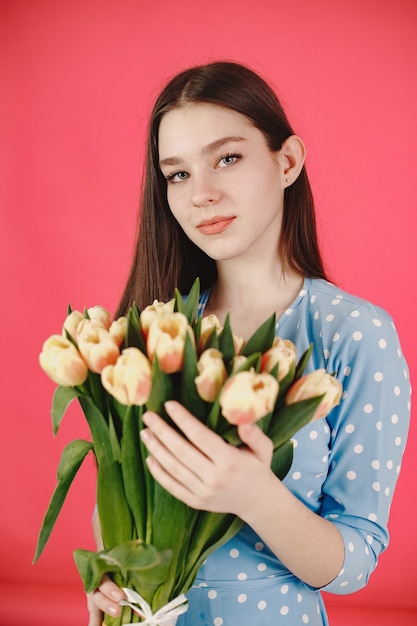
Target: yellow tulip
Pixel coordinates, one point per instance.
(283, 352)
(62, 362)
(96, 345)
(212, 374)
(129, 379)
(316, 384)
(166, 340)
(248, 396)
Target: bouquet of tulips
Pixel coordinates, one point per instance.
(153, 543)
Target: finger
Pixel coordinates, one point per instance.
(174, 455)
(256, 440)
(105, 599)
(109, 589)
(167, 443)
(206, 440)
(179, 490)
(95, 615)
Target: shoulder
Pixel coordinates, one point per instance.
(342, 314)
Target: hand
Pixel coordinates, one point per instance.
(203, 470)
(104, 599)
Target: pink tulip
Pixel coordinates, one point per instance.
(283, 353)
(248, 396)
(71, 323)
(96, 345)
(153, 312)
(209, 324)
(316, 384)
(212, 374)
(166, 340)
(62, 362)
(130, 379)
(117, 330)
(100, 316)
(238, 361)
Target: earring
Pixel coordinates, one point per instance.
(287, 180)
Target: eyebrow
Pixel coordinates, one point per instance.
(211, 147)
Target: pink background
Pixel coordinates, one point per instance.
(77, 81)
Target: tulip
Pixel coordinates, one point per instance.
(238, 361)
(166, 340)
(129, 380)
(62, 362)
(212, 374)
(282, 353)
(315, 384)
(96, 345)
(239, 343)
(248, 396)
(117, 330)
(154, 311)
(209, 324)
(71, 323)
(99, 315)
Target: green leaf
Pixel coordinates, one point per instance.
(134, 564)
(114, 441)
(285, 383)
(188, 395)
(133, 469)
(282, 459)
(210, 531)
(302, 363)
(226, 343)
(189, 306)
(62, 398)
(134, 337)
(72, 457)
(262, 338)
(116, 520)
(252, 361)
(161, 391)
(289, 419)
(214, 416)
(114, 513)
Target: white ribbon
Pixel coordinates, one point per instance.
(165, 615)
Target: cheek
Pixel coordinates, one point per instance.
(178, 206)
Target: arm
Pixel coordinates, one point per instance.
(207, 473)
(368, 433)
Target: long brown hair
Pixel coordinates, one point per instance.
(164, 257)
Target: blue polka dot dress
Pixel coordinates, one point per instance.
(345, 467)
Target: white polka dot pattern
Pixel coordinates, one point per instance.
(345, 467)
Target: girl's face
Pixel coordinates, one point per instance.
(224, 185)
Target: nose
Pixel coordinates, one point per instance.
(205, 190)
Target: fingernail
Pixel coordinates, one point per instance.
(147, 419)
(144, 434)
(113, 610)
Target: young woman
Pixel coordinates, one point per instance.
(226, 197)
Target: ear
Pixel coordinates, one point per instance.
(292, 156)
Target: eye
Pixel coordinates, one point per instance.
(228, 159)
(177, 177)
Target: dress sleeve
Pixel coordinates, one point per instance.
(368, 435)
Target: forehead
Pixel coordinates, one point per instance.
(195, 126)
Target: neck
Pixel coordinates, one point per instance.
(251, 293)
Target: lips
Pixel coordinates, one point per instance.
(215, 225)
